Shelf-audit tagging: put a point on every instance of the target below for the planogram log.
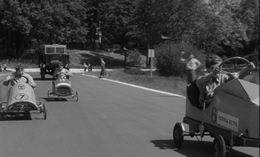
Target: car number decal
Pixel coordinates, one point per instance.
(21, 96)
(21, 87)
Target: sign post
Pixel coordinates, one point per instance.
(151, 56)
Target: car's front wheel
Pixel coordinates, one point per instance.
(42, 75)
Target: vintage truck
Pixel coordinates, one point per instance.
(51, 57)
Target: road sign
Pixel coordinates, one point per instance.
(151, 53)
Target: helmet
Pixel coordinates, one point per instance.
(19, 67)
(212, 60)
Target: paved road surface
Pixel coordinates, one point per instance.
(109, 120)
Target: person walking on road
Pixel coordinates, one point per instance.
(191, 65)
(103, 72)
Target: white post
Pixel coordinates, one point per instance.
(151, 71)
(0, 94)
(151, 55)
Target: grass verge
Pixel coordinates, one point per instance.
(170, 84)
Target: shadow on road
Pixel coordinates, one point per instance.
(194, 148)
(54, 99)
(172, 96)
(16, 117)
(46, 79)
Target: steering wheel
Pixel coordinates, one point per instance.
(16, 81)
(62, 75)
(232, 59)
(27, 80)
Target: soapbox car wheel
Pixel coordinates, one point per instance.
(48, 95)
(43, 76)
(76, 96)
(2, 116)
(219, 147)
(44, 111)
(178, 135)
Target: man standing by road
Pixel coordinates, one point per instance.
(85, 66)
(103, 72)
(191, 65)
(0, 67)
(5, 67)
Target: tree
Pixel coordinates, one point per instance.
(248, 14)
(29, 24)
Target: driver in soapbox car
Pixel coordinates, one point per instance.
(61, 86)
(21, 98)
(19, 77)
(216, 77)
(61, 74)
(222, 105)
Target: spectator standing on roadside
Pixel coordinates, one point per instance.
(191, 65)
(214, 78)
(103, 68)
(5, 66)
(89, 67)
(85, 66)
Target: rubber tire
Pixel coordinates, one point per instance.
(219, 147)
(178, 135)
(2, 116)
(44, 112)
(77, 97)
(42, 76)
(48, 99)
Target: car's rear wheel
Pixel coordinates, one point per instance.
(219, 147)
(44, 112)
(42, 75)
(178, 135)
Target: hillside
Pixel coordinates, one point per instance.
(113, 60)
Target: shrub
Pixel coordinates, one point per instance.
(167, 58)
(134, 58)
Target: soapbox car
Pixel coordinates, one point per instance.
(21, 100)
(232, 118)
(61, 87)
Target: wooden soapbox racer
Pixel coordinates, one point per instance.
(61, 88)
(232, 118)
(21, 100)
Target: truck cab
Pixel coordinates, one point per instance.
(51, 57)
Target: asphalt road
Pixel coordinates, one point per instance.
(109, 120)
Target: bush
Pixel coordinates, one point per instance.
(167, 58)
(134, 58)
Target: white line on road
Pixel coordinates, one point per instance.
(2, 74)
(128, 84)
